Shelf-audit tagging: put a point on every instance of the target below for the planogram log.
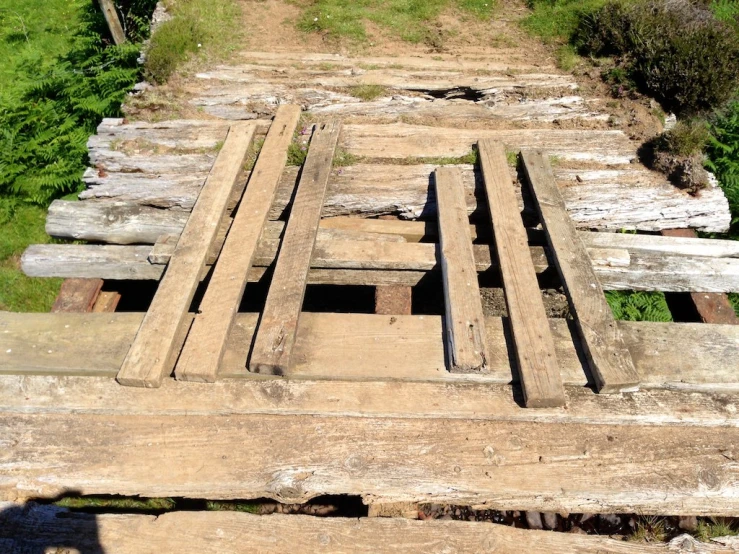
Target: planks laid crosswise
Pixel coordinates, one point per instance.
(206, 343)
(534, 344)
(279, 322)
(150, 358)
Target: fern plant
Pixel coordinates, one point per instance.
(723, 158)
(638, 306)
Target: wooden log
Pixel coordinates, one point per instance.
(111, 18)
(77, 295)
(360, 346)
(465, 322)
(534, 346)
(206, 344)
(148, 360)
(608, 357)
(34, 527)
(279, 322)
(402, 141)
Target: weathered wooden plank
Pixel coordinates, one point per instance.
(534, 346)
(608, 357)
(509, 465)
(148, 360)
(34, 527)
(465, 322)
(360, 346)
(204, 348)
(107, 301)
(77, 295)
(403, 141)
(114, 23)
(279, 322)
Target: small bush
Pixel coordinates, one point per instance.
(677, 50)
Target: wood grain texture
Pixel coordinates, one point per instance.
(364, 346)
(113, 21)
(608, 357)
(393, 300)
(465, 322)
(34, 527)
(77, 295)
(533, 342)
(206, 342)
(150, 358)
(279, 322)
(106, 302)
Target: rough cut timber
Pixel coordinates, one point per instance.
(608, 357)
(151, 355)
(279, 322)
(533, 342)
(363, 346)
(465, 322)
(33, 527)
(77, 295)
(206, 342)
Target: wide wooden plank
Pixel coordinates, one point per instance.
(279, 322)
(608, 357)
(149, 359)
(509, 465)
(34, 527)
(364, 346)
(206, 342)
(77, 295)
(533, 342)
(465, 322)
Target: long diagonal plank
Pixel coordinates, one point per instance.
(206, 342)
(533, 342)
(34, 528)
(465, 321)
(150, 358)
(279, 322)
(609, 359)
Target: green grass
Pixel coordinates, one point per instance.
(713, 528)
(557, 20)
(409, 20)
(367, 92)
(209, 28)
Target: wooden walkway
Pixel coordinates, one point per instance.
(202, 398)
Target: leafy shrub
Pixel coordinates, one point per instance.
(676, 49)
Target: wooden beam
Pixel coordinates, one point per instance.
(364, 346)
(34, 528)
(150, 358)
(465, 322)
(279, 322)
(533, 342)
(608, 357)
(114, 23)
(77, 295)
(203, 351)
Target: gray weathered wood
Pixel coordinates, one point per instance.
(206, 343)
(465, 323)
(279, 322)
(608, 357)
(150, 356)
(533, 342)
(114, 23)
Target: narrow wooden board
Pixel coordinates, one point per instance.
(106, 302)
(148, 360)
(77, 295)
(465, 322)
(38, 528)
(206, 343)
(279, 322)
(535, 352)
(365, 346)
(608, 357)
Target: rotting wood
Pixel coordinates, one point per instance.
(365, 346)
(205, 346)
(279, 322)
(114, 23)
(647, 271)
(148, 360)
(393, 300)
(533, 343)
(608, 358)
(507, 465)
(465, 323)
(35, 527)
(77, 295)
